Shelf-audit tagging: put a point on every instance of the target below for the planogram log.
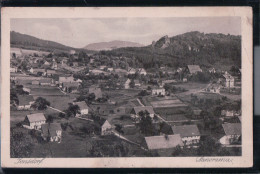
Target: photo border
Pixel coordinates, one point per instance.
(246, 160)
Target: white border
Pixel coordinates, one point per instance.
(246, 160)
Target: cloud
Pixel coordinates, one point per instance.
(80, 32)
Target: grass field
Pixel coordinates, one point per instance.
(43, 91)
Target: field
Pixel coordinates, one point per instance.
(28, 52)
(46, 91)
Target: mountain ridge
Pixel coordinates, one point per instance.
(111, 45)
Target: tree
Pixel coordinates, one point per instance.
(40, 104)
(72, 110)
(132, 83)
(143, 93)
(146, 124)
(119, 128)
(208, 147)
(49, 119)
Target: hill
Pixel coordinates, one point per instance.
(213, 49)
(29, 42)
(111, 45)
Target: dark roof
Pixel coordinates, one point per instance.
(25, 99)
(163, 142)
(232, 128)
(144, 108)
(50, 129)
(186, 130)
(36, 117)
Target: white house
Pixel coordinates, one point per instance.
(158, 91)
(106, 128)
(232, 133)
(229, 80)
(25, 102)
(189, 133)
(228, 113)
(83, 108)
(126, 85)
(13, 69)
(52, 132)
(34, 121)
(142, 71)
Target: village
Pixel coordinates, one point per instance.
(97, 105)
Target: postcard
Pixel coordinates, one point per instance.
(127, 87)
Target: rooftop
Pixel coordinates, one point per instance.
(186, 130)
(232, 128)
(36, 117)
(25, 99)
(163, 142)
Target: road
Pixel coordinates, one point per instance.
(56, 109)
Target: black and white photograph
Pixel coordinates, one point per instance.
(126, 87)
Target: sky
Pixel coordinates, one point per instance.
(78, 33)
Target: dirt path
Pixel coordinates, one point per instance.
(56, 109)
(139, 102)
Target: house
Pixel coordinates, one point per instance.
(13, 69)
(142, 71)
(75, 64)
(196, 112)
(46, 63)
(158, 91)
(110, 69)
(51, 131)
(50, 73)
(189, 133)
(54, 65)
(13, 77)
(96, 90)
(45, 82)
(83, 108)
(35, 82)
(137, 83)
(34, 121)
(38, 71)
(229, 80)
(126, 84)
(135, 111)
(66, 78)
(25, 102)
(228, 113)
(27, 89)
(212, 70)
(193, 69)
(184, 79)
(163, 142)
(131, 71)
(232, 133)
(71, 87)
(106, 128)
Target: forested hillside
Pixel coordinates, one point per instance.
(189, 48)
